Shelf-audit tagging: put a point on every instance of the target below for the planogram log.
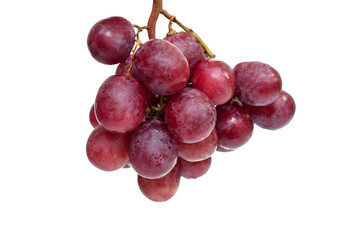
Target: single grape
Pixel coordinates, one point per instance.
(106, 150)
(111, 40)
(152, 151)
(193, 169)
(93, 119)
(216, 79)
(160, 189)
(123, 67)
(258, 84)
(120, 103)
(275, 115)
(234, 125)
(190, 115)
(190, 48)
(161, 67)
(198, 151)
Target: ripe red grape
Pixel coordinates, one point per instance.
(111, 40)
(275, 115)
(258, 84)
(190, 115)
(93, 119)
(160, 189)
(216, 79)
(193, 169)
(234, 125)
(220, 149)
(161, 67)
(198, 151)
(152, 151)
(106, 150)
(120, 103)
(190, 48)
(123, 67)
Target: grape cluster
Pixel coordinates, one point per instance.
(170, 106)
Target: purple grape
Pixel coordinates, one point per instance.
(193, 169)
(198, 151)
(106, 150)
(120, 103)
(275, 115)
(216, 79)
(190, 48)
(161, 67)
(190, 115)
(258, 84)
(153, 152)
(111, 40)
(234, 126)
(160, 189)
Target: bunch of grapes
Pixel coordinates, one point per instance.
(171, 105)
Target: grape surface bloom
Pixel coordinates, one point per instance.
(258, 84)
(275, 115)
(161, 67)
(120, 103)
(111, 40)
(152, 151)
(190, 115)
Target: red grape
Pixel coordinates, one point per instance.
(190, 115)
(93, 119)
(275, 115)
(160, 189)
(123, 67)
(258, 84)
(198, 151)
(234, 125)
(161, 67)
(216, 79)
(190, 48)
(193, 169)
(111, 40)
(120, 103)
(106, 150)
(152, 151)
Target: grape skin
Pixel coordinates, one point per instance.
(190, 48)
(216, 79)
(194, 169)
(123, 67)
(198, 151)
(258, 84)
(190, 115)
(160, 189)
(275, 115)
(161, 67)
(111, 40)
(92, 118)
(120, 103)
(152, 151)
(106, 150)
(234, 125)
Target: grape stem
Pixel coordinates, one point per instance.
(158, 9)
(188, 30)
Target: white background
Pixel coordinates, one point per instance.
(300, 182)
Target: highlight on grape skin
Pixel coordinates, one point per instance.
(171, 105)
